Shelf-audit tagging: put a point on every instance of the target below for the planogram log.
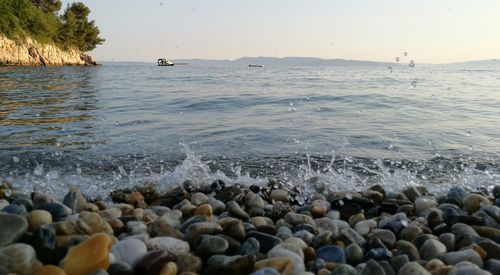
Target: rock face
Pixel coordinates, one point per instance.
(32, 53)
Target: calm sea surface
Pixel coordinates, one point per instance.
(312, 127)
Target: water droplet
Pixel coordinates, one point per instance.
(390, 147)
(38, 171)
(470, 147)
(411, 64)
(79, 171)
(413, 84)
(15, 159)
(469, 133)
(397, 59)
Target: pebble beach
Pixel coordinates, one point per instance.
(241, 229)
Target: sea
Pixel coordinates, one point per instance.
(311, 129)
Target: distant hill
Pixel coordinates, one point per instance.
(477, 63)
(286, 61)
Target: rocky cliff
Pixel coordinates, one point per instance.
(32, 53)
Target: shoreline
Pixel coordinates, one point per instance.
(238, 229)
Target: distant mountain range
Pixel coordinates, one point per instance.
(313, 61)
(285, 61)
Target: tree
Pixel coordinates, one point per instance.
(77, 31)
(49, 6)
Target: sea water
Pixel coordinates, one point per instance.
(311, 128)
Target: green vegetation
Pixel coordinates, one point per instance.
(40, 20)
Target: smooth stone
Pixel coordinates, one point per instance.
(120, 268)
(434, 264)
(365, 227)
(344, 269)
(423, 204)
(411, 232)
(373, 268)
(266, 241)
(58, 211)
(473, 202)
(40, 199)
(285, 253)
(448, 239)
(129, 251)
(15, 209)
(452, 258)
(169, 269)
(88, 256)
(386, 236)
(235, 229)
(254, 200)
(354, 254)
(96, 223)
(387, 267)
(407, 248)
(188, 262)
(266, 271)
(37, 218)
(43, 240)
(236, 211)
(18, 259)
(192, 220)
(204, 210)
(198, 199)
(464, 235)
(399, 261)
(207, 245)
(411, 192)
(152, 263)
(492, 249)
(136, 228)
(487, 232)
(378, 254)
(432, 249)
(279, 195)
(296, 219)
(331, 253)
(492, 265)
(457, 192)
(217, 205)
(333, 214)
(395, 223)
(12, 227)
(197, 229)
(250, 247)
(284, 265)
(71, 199)
(467, 268)
(172, 218)
(341, 224)
(275, 251)
(49, 270)
(169, 244)
(326, 224)
(349, 236)
(3, 204)
(305, 235)
(413, 268)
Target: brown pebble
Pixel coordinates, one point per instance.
(482, 253)
(442, 271)
(204, 210)
(49, 270)
(309, 254)
(102, 205)
(169, 269)
(340, 244)
(134, 198)
(331, 265)
(324, 271)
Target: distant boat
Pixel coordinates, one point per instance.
(164, 62)
(256, 66)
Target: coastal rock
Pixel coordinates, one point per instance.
(89, 256)
(12, 227)
(18, 259)
(23, 54)
(331, 253)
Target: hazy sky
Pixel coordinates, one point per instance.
(431, 31)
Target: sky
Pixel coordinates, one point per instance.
(430, 31)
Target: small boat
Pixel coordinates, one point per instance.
(164, 62)
(256, 66)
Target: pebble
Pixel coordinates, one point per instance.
(296, 219)
(373, 268)
(473, 202)
(432, 249)
(467, 268)
(284, 265)
(413, 268)
(49, 270)
(349, 236)
(250, 247)
(354, 254)
(120, 268)
(88, 256)
(453, 258)
(208, 245)
(129, 251)
(169, 244)
(57, 210)
(15, 209)
(331, 253)
(12, 227)
(18, 259)
(266, 241)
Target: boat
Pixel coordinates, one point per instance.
(256, 66)
(165, 62)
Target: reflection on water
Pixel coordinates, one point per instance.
(39, 104)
